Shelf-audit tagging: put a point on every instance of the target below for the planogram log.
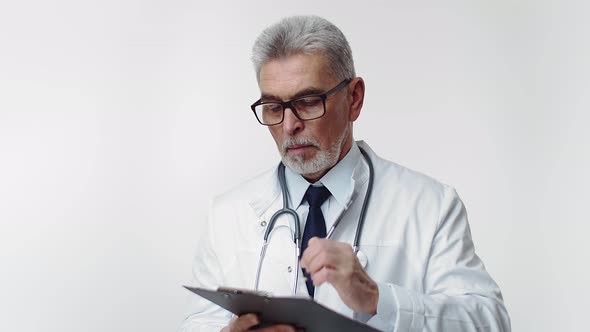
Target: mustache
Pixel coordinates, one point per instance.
(291, 141)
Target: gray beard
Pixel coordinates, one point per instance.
(321, 161)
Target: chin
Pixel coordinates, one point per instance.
(319, 163)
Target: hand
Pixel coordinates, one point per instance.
(335, 262)
(246, 322)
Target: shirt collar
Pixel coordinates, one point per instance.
(338, 179)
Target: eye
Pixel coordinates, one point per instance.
(308, 101)
(272, 108)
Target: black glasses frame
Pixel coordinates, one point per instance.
(290, 104)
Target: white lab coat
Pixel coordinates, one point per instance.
(416, 238)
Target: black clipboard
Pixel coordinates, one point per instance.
(300, 312)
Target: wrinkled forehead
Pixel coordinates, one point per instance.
(290, 76)
(283, 54)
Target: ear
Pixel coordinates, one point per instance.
(356, 91)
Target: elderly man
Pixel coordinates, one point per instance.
(410, 266)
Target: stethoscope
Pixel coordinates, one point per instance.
(297, 228)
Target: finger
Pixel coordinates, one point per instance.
(319, 261)
(244, 322)
(314, 247)
(334, 255)
(228, 327)
(336, 258)
(326, 274)
(311, 250)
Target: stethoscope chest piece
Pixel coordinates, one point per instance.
(362, 259)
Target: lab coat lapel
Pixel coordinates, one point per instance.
(326, 294)
(268, 191)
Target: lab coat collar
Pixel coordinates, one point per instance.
(266, 193)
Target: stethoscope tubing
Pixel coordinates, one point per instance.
(359, 228)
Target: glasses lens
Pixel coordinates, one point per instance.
(269, 113)
(309, 107)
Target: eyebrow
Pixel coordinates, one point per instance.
(305, 92)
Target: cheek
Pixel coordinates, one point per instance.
(276, 135)
(333, 129)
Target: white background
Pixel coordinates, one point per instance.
(119, 120)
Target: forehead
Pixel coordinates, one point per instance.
(286, 77)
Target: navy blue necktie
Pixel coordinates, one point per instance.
(315, 224)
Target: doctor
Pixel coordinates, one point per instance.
(416, 268)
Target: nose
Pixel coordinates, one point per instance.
(291, 123)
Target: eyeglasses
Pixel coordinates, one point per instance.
(305, 108)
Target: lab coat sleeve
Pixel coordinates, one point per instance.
(459, 295)
(202, 315)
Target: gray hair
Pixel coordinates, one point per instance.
(307, 35)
